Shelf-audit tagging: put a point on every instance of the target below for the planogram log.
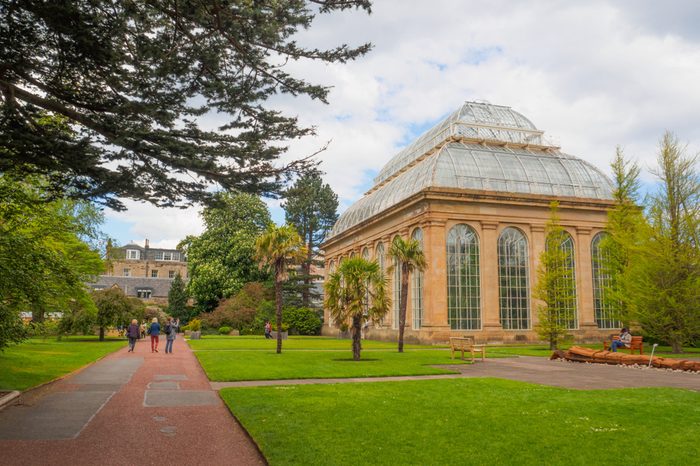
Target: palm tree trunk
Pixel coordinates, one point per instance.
(356, 338)
(278, 304)
(403, 304)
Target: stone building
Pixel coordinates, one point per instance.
(475, 190)
(143, 272)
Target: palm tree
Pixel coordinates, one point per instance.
(408, 255)
(278, 248)
(346, 297)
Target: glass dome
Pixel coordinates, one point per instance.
(480, 147)
(484, 122)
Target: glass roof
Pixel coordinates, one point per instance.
(479, 163)
(472, 120)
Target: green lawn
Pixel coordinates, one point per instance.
(37, 361)
(300, 364)
(468, 421)
(215, 342)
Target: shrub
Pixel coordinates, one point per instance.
(224, 330)
(195, 325)
(302, 321)
(285, 327)
(48, 328)
(239, 312)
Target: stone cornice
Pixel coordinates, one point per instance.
(452, 194)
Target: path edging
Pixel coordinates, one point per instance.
(235, 419)
(9, 399)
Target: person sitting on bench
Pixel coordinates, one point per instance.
(624, 341)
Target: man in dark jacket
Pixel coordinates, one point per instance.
(133, 334)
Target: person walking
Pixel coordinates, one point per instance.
(171, 330)
(268, 330)
(154, 332)
(133, 334)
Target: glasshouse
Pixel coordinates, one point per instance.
(475, 191)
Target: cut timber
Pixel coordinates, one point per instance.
(578, 354)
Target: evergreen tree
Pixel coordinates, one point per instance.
(177, 298)
(664, 278)
(311, 206)
(621, 245)
(556, 284)
(131, 83)
(221, 260)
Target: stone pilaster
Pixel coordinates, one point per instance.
(584, 281)
(435, 277)
(490, 306)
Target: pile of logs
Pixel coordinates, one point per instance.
(578, 354)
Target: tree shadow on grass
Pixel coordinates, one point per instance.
(352, 360)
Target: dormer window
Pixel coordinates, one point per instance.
(133, 254)
(167, 256)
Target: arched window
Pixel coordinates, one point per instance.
(463, 281)
(568, 316)
(513, 278)
(417, 286)
(397, 293)
(379, 257)
(604, 311)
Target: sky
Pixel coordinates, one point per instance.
(593, 75)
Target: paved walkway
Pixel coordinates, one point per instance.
(129, 408)
(528, 369)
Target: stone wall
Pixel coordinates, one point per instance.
(488, 214)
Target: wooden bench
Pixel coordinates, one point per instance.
(463, 344)
(637, 343)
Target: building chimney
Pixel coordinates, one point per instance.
(146, 243)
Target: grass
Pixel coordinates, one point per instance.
(37, 361)
(291, 364)
(227, 358)
(468, 421)
(253, 342)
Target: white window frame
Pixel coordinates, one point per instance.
(133, 254)
(126, 272)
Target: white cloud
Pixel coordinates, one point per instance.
(590, 74)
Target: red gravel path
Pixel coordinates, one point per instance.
(124, 432)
